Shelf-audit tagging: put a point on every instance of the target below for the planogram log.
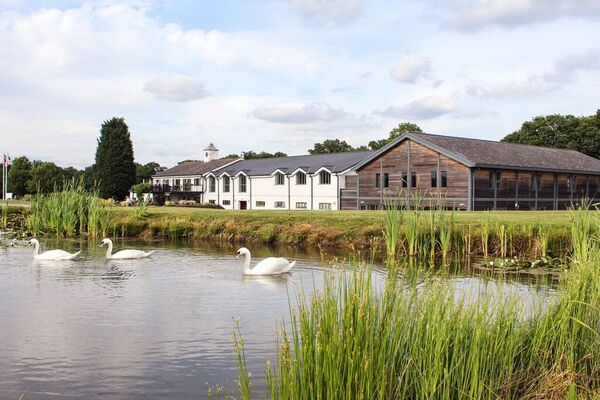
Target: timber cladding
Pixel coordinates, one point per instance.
(409, 158)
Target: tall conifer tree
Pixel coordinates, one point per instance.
(115, 168)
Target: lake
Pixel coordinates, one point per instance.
(152, 328)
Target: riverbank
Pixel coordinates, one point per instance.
(527, 234)
(490, 234)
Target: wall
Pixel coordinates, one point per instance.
(422, 161)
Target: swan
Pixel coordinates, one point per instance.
(123, 254)
(268, 266)
(57, 255)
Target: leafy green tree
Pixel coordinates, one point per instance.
(19, 175)
(331, 146)
(561, 131)
(46, 177)
(252, 155)
(146, 171)
(88, 175)
(405, 127)
(115, 168)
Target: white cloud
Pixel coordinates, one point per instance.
(475, 15)
(327, 13)
(562, 72)
(299, 113)
(410, 68)
(176, 88)
(424, 108)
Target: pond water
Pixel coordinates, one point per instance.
(151, 328)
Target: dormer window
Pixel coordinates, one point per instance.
(279, 178)
(324, 178)
(226, 184)
(300, 178)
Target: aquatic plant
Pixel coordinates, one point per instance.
(350, 340)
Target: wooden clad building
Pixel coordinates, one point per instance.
(471, 174)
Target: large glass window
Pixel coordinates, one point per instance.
(444, 178)
(212, 184)
(404, 179)
(413, 179)
(377, 180)
(434, 179)
(279, 178)
(495, 177)
(300, 178)
(324, 178)
(242, 184)
(226, 184)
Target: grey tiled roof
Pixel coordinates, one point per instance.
(189, 168)
(335, 162)
(487, 153)
(211, 147)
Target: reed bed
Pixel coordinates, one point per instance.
(67, 213)
(353, 341)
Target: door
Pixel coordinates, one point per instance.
(243, 205)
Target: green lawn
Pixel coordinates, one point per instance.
(365, 217)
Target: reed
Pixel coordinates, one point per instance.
(350, 340)
(392, 222)
(68, 212)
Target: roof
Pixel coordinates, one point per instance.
(189, 168)
(334, 162)
(211, 147)
(490, 154)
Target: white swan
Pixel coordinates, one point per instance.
(123, 254)
(57, 255)
(268, 266)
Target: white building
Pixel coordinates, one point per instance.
(310, 182)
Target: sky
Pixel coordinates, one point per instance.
(280, 75)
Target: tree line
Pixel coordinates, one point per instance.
(115, 171)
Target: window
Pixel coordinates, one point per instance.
(226, 183)
(572, 182)
(279, 204)
(187, 185)
(196, 181)
(324, 178)
(444, 179)
(301, 204)
(260, 204)
(279, 178)
(211, 202)
(300, 178)
(176, 184)
(226, 202)
(413, 179)
(497, 177)
(535, 182)
(386, 180)
(242, 184)
(404, 179)
(433, 179)
(211, 183)
(324, 206)
(166, 182)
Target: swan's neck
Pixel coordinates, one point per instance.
(36, 248)
(247, 263)
(109, 250)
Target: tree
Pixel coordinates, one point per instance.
(561, 131)
(46, 177)
(114, 167)
(405, 127)
(19, 176)
(331, 146)
(146, 171)
(252, 155)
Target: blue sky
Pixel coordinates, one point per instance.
(280, 75)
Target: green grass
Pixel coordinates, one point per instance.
(349, 341)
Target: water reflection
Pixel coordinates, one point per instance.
(150, 328)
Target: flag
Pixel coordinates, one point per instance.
(5, 163)
(8, 156)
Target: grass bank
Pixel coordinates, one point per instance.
(424, 233)
(350, 341)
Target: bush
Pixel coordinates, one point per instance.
(169, 203)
